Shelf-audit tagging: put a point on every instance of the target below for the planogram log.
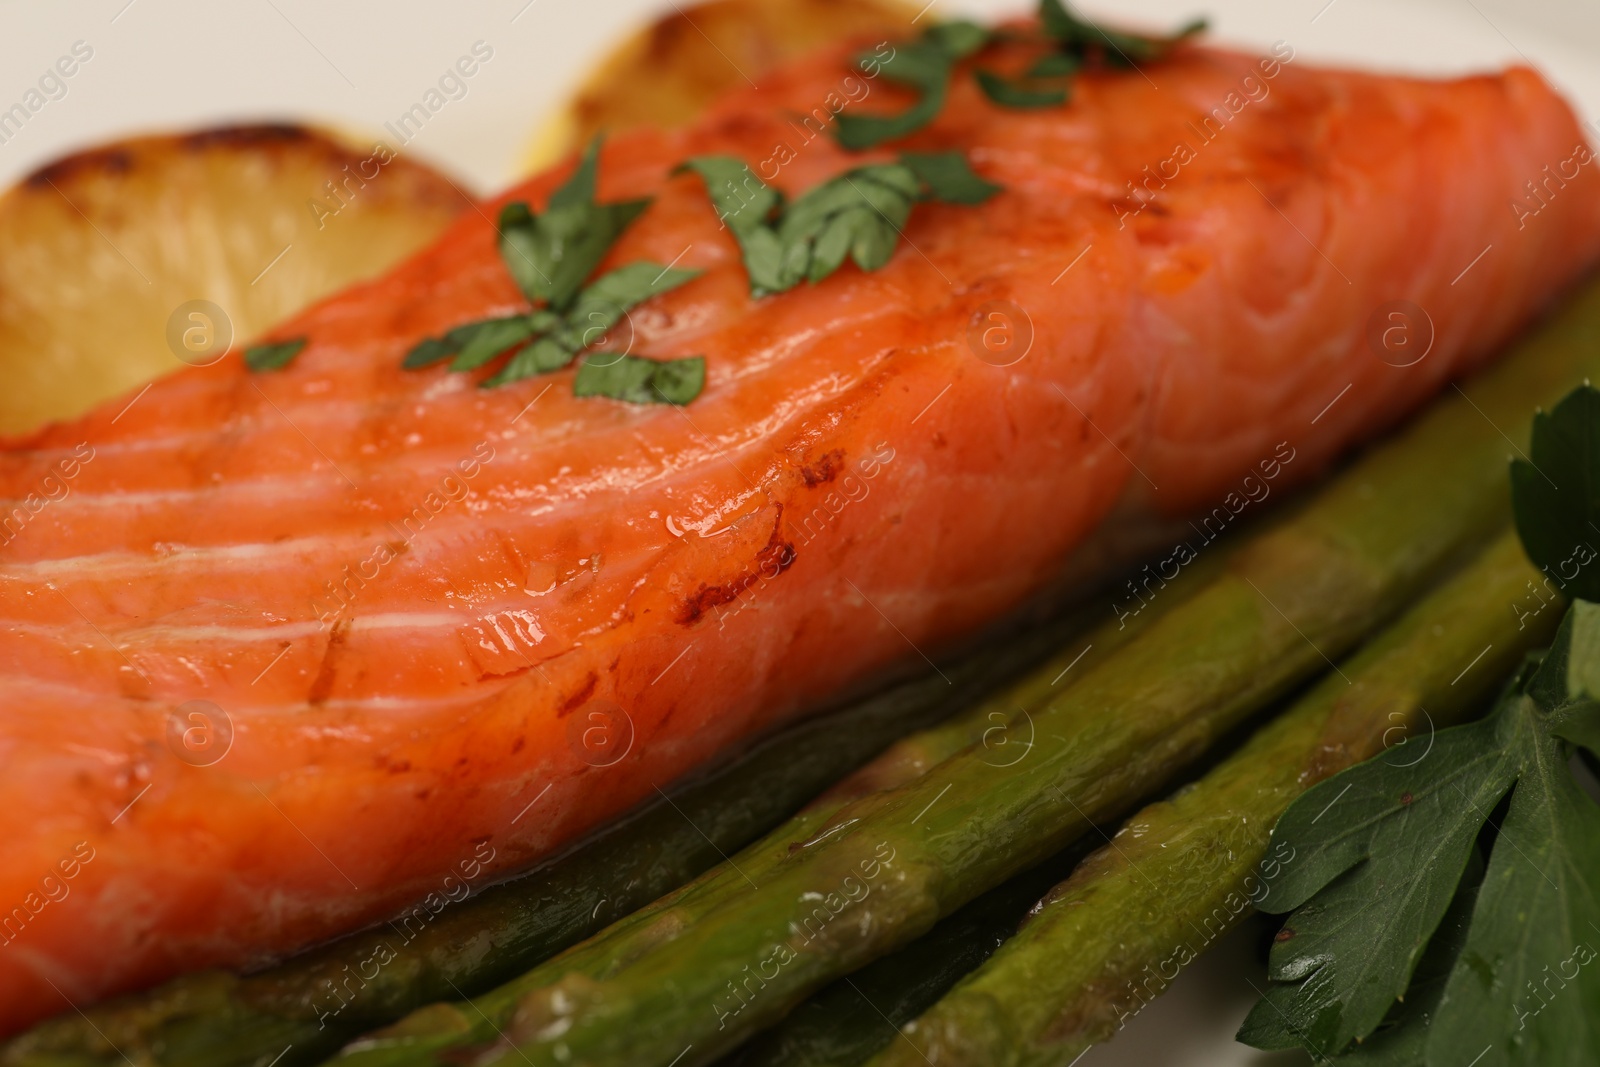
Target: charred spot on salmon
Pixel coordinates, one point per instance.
(775, 557)
(741, 126)
(322, 685)
(578, 699)
(703, 600)
(859, 215)
(825, 469)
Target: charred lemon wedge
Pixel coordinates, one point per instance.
(667, 72)
(124, 262)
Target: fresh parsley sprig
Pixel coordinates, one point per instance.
(859, 215)
(1082, 41)
(543, 340)
(1076, 44)
(640, 381)
(551, 257)
(1557, 524)
(927, 64)
(274, 355)
(1451, 913)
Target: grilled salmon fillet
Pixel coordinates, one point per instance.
(283, 653)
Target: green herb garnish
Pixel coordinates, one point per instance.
(1078, 43)
(949, 177)
(553, 254)
(1405, 945)
(489, 338)
(928, 63)
(1056, 65)
(1558, 525)
(1018, 94)
(925, 64)
(640, 381)
(596, 309)
(1081, 40)
(273, 356)
(551, 257)
(858, 215)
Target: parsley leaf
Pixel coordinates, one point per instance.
(1017, 94)
(1056, 65)
(959, 37)
(1034, 88)
(1077, 43)
(604, 302)
(1556, 493)
(858, 215)
(949, 177)
(640, 381)
(1401, 1039)
(925, 64)
(487, 339)
(542, 341)
(1402, 948)
(600, 306)
(1081, 38)
(746, 205)
(1402, 835)
(550, 256)
(273, 356)
(1373, 885)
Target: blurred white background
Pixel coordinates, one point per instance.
(164, 64)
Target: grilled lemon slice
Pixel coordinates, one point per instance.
(667, 72)
(124, 262)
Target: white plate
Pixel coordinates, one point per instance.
(175, 63)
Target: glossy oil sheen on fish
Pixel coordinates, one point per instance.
(281, 652)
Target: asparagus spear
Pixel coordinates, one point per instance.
(703, 974)
(1184, 871)
(848, 1021)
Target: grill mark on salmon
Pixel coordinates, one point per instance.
(777, 555)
